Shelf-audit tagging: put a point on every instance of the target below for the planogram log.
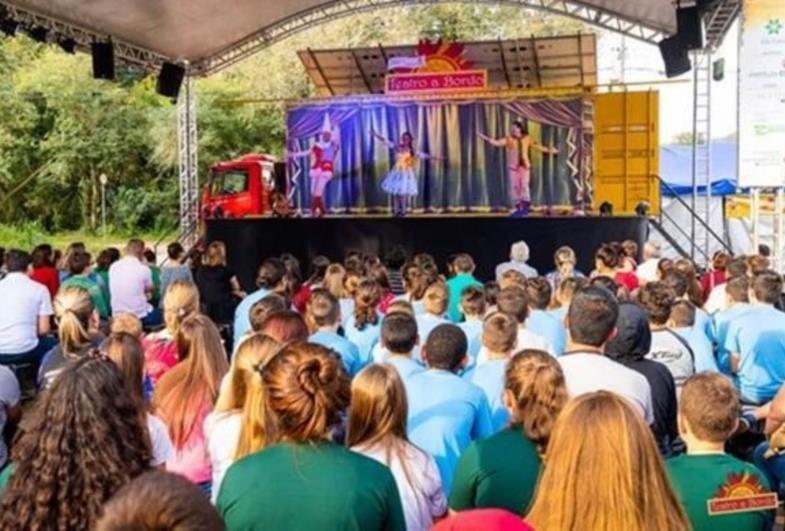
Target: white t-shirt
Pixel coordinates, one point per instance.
(422, 495)
(647, 271)
(159, 440)
(129, 281)
(24, 301)
(222, 429)
(717, 300)
(673, 352)
(9, 397)
(586, 372)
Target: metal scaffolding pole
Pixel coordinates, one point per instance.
(187, 142)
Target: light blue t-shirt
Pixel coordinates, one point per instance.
(703, 323)
(365, 340)
(490, 378)
(242, 320)
(559, 313)
(446, 414)
(544, 324)
(758, 337)
(350, 354)
(405, 366)
(473, 330)
(702, 348)
(722, 321)
(426, 322)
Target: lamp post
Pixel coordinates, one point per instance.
(103, 179)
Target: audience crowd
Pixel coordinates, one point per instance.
(389, 394)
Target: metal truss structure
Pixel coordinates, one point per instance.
(187, 143)
(341, 8)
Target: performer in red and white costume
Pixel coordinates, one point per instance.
(323, 155)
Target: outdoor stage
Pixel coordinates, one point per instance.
(487, 238)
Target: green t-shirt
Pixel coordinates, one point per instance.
(155, 274)
(699, 478)
(5, 476)
(96, 293)
(455, 286)
(310, 487)
(497, 472)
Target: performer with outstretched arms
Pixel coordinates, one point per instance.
(401, 182)
(323, 154)
(518, 144)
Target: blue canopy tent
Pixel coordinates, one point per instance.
(676, 169)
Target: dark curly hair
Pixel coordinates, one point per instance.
(82, 442)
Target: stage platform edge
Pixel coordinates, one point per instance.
(486, 238)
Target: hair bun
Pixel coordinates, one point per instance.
(309, 376)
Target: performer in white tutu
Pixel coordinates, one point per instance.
(401, 182)
(323, 155)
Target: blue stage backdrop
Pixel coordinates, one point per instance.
(469, 175)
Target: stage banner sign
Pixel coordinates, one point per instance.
(430, 82)
(762, 94)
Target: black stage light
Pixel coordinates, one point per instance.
(38, 33)
(9, 26)
(67, 44)
(103, 60)
(642, 209)
(606, 209)
(169, 80)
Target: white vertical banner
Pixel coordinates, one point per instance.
(762, 94)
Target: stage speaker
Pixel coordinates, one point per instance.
(169, 80)
(279, 176)
(103, 60)
(675, 57)
(690, 27)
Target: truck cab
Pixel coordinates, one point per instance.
(239, 188)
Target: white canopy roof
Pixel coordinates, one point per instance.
(210, 34)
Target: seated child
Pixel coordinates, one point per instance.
(708, 415)
(539, 291)
(323, 313)
(399, 339)
(473, 308)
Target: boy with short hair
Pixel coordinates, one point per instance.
(564, 294)
(679, 284)
(667, 347)
(513, 302)
(682, 322)
(463, 267)
(399, 339)
(539, 292)
(708, 415)
(717, 300)
(473, 307)
(79, 267)
(499, 337)
(737, 295)
(756, 342)
(324, 312)
(435, 301)
(446, 413)
(262, 309)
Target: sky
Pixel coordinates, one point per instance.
(643, 62)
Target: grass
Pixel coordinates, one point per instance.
(29, 235)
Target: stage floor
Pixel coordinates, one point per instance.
(487, 237)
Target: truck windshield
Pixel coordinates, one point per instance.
(230, 182)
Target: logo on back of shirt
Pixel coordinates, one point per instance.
(741, 492)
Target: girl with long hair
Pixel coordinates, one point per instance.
(181, 300)
(319, 267)
(77, 324)
(44, 271)
(502, 471)
(694, 289)
(346, 300)
(377, 429)
(238, 425)
(363, 326)
(334, 280)
(126, 352)
(414, 285)
(609, 262)
(401, 182)
(82, 441)
(185, 396)
(303, 480)
(602, 471)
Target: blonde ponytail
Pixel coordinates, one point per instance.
(180, 301)
(73, 309)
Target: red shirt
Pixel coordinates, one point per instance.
(711, 280)
(160, 355)
(48, 276)
(627, 279)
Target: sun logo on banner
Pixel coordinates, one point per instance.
(774, 26)
(737, 485)
(439, 56)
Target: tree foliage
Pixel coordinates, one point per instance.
(60, 129)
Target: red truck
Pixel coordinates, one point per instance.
(239, 188)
